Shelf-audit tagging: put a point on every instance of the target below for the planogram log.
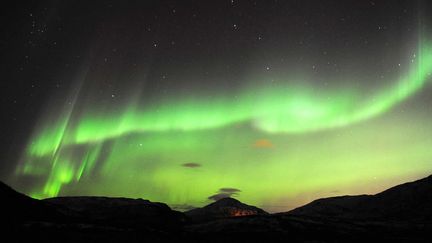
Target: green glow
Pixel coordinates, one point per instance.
(142, 147)
(276, 109)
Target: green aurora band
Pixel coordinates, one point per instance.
(93, 144)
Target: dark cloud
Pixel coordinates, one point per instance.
(191, 165)
(224, 193)
(218, 196)
(229, 190)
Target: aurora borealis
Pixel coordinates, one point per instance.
(167, 104)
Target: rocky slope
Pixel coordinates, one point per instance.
(223, 208)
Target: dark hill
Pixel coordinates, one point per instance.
(399, 214)
(85, 219)
(224, 208)
(409, 201)
(119, 211)
(18, 207)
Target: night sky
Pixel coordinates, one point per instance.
(275, 103)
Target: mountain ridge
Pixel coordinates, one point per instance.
(224, 208)
(409, 197)
(400, 213)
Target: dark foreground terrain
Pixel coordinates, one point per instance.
(400, 214)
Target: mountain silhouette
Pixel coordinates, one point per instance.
(17, 207)
(123, 212)
(399, 214)
(409, 201)
(224, 208)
